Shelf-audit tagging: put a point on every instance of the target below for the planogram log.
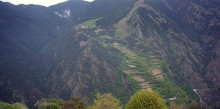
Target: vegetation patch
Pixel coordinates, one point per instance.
(105, 37)
(91, 23)
(4, 105)
(149, 72)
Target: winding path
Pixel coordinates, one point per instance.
(198, 95)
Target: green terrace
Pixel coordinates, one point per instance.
(91, 24)
(147, 70)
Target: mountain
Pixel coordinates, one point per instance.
(185, 34)
(118, 46)
(32, 61)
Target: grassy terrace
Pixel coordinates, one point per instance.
(146, 70)
(105, 37)
(91, 23)
(142, 67)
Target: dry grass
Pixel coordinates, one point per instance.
(158, 74)
(138, 79)
(132, 66)
(156, 71)
(82, 43)
(145, 85)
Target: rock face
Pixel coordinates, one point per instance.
(79, 48)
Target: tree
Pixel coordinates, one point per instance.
(12, 106)
(5, 106)
(57, 101)
(19, 106)
(74, 103)
(106, 101)
(144, 99)
(51, 106)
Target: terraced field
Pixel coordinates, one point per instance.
(142, 67)
(145, 69)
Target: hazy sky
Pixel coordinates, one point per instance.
(39, 2)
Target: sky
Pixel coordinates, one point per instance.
(37, 2)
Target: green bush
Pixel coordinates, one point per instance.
(57, 101)
(12, 106)
(19, 106)
(144, 99)
(5, 106)
(106, 101)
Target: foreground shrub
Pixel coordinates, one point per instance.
(144, 99)
(12, 106)
(74, 103)
(106, 101)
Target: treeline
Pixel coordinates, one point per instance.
(143, 99)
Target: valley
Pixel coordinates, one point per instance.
(111, 46)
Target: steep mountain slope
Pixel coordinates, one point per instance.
(118, 46)
(23, 33)
(32, 35)
(84, 67)
(25, 30)
(179, 35)
(203, 18)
